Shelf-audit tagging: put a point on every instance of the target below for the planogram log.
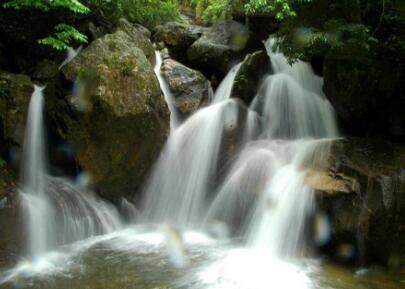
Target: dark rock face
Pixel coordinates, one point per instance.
(178, 37)
(365, 199)
(10, 245)
(367, 94)
(119, 120)
(219, 47)
(46, 70)
(253, 68)
(3, 57)
(189, 87)
(15, 94)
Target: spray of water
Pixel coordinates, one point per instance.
(54, 211)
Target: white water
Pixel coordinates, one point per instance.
(174, 115)
(183, 176)
(71, 53)
(34, 200)
(54, 211)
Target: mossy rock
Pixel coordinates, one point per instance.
(140, 36)
(120, 120)
(15, 94)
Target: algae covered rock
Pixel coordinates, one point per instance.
(189, 87)
(219, 46)
(368, 211)
(120, 120)
(253, 68)
(15, 94)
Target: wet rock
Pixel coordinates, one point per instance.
(178, 37)
(367, 94)
(252, 70)
(45, 70)
(10, 245)
(219, 47)
(119, 119)
(140, 36)
(367, 208)
(188, 86)
(15, 93)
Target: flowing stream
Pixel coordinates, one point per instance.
(226, 205)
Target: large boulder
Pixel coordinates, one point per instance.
(10, 241)
(364, 196)
(178, 37)
(189, 87)
(219, 47)
(15, 94)
(252, 70)
(140, 37)
(119, 120)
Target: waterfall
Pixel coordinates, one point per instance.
(264, 196)
(296, 123)
(174, 115)
(71, 53)
(181, 180)
(35, 203)
(54, 211)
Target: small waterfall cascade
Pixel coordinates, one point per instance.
(71, 53)
(54, 211)
(174, 117)
(33, 180)
(296, 123)
(182, 178)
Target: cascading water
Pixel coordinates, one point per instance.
(35, 203)
(258, 192)
(177, 190)
(55, 211)
(174, 117)
(71, 53)
(293, 113)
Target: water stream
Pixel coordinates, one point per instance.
(226, 205)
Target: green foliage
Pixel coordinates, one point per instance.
(47, 5)
(336, 35)
(146, 12)
(65, 35)
(281, 9)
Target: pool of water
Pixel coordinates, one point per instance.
(139, 257)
